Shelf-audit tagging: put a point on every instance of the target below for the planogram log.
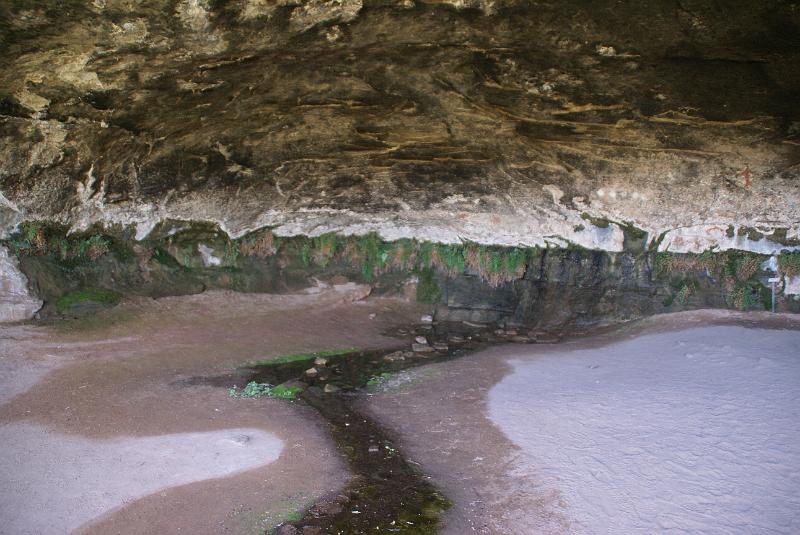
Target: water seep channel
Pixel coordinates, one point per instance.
(387, 493)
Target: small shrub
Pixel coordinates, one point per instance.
(261, 246)
(682, 297)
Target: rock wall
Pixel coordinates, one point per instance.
(543, 287)
(16, 301)
(499, 122)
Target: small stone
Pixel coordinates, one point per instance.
(320, 361)
(395, 357)
(455, 339)
(521, 339)
(312, 372)
(439, 346)
(373, 316)
(374, 449)
(421, 340)
(330, 389)
(421, 348)
(427, 318)
(511, 332)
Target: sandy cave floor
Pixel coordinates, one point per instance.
(682, 423)
(679, 423)
(103, 430)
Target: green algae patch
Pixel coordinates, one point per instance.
(427, 289)
(87, 296)
(301, 357)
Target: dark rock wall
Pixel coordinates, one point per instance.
(537, 287)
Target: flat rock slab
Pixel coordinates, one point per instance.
(693, 431)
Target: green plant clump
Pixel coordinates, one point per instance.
(789, 263)
(260, 390)
(86, 295)
(427, 289)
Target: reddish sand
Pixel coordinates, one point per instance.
(128, 374)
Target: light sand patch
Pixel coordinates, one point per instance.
(132, 372)
(47, 494)
(692, 431)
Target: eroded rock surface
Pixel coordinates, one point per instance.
(495, 121)
(16, 301)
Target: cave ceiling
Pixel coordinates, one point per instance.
(500, 122)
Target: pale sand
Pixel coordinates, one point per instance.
(103, 422)
(523, 441)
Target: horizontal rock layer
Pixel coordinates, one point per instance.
(499, 122)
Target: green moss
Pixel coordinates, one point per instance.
(373, 253)
(453, 257)
(751, 233)
(295, 516)
(425, 254)
(766, 297)
(100, 296)
(633, 232)
(427, 289)
(599, 222)
(259, 390)
(305, 253)
(285, 392)
(325, 248)
(296, 357)
(779, 236)
(516, 259)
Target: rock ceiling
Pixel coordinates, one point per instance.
(499, 122)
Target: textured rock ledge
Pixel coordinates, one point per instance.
(499, 122)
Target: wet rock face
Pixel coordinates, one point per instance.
(497, 121)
